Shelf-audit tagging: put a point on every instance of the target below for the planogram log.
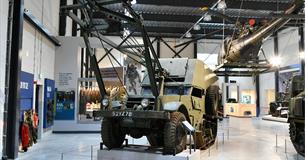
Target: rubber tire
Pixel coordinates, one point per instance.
(155, 140)
(294, 130)
(211, 114)
(112, 134)
(172, 144)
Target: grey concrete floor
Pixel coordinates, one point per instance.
(238, 139)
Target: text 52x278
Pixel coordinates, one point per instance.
(122, 114)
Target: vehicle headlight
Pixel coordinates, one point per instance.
(145, 102)
(105, 102)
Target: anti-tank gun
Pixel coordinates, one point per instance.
(247, 47)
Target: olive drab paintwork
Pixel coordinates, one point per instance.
(196, 74)
(182, 91)
(296, 116)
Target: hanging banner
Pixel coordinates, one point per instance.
(49, 91)
(65, 105)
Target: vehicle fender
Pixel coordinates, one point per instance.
(172, 106)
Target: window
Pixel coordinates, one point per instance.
(197, 92)
(174, 90)
(168, 90)
(146, 91)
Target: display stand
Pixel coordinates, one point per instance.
(143, 152)
(140, 152)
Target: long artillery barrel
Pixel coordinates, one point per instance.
(233, 50)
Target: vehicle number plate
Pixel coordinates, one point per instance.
(122, 114)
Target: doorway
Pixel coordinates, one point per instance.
(39, 107)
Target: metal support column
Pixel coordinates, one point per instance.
(74, 24)
(12, 81)
(87, 59)
(82, 63)
(227, 87)
(301, 49)
(257, 89)
(195, 49)
(62, 20)
(94, 65)
(276, 73)
(158, 47)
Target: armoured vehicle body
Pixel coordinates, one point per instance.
(186, 94)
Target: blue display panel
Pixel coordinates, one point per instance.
(49, 91)
(65, 105)
(26, 91)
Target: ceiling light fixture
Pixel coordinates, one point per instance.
(134, 2)
(197, 27)
(276, 61)
(207, 18)
(188, 35)
(302, 55)
(222, 5)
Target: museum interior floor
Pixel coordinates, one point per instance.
(238, 139)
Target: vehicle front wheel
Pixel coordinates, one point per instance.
(174, 134)
(112, 134)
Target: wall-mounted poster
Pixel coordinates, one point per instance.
(246, 99)
(49, 89)
(65, 105)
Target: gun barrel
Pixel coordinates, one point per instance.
(235, 48)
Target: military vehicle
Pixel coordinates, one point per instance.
(173, 90)
(279, 107)
(296, 116)
(187, 93)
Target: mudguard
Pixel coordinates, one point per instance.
(172, 106)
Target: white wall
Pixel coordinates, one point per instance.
(288, 41)
(67, 60)
(38, 54)
(268, 48)
(267, 82)
(289, 46)
(46, 11)
(3, 29)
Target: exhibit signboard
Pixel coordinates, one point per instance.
(26, 91)
(65, 105)
(49, 89)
